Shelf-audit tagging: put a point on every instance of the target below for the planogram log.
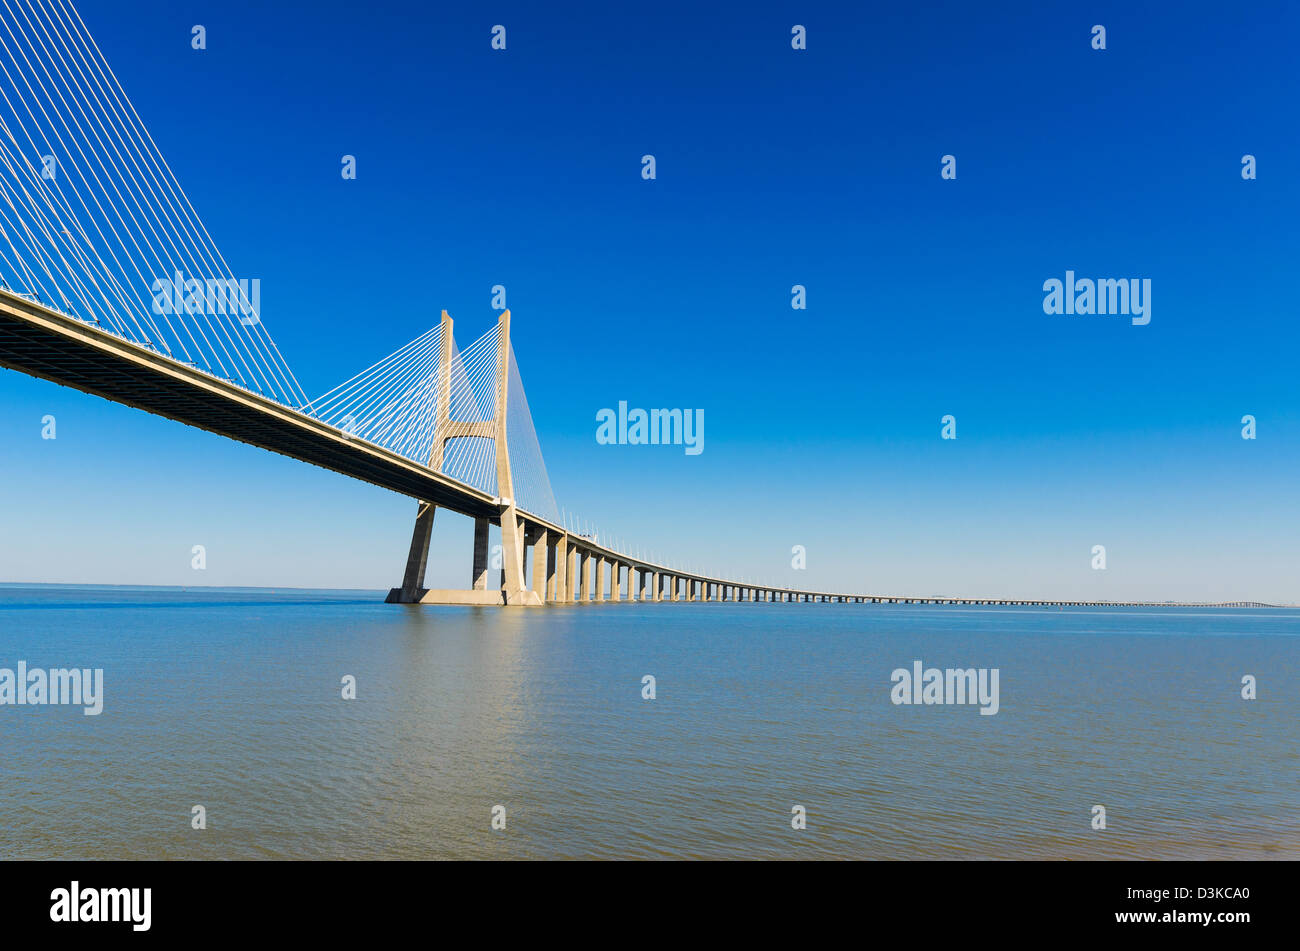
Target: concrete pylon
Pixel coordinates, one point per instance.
(514, 589)
(512, 526)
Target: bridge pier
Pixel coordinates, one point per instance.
(584, 592)
(417, 560)
(478, 578)
(561, 555)
(541, 559)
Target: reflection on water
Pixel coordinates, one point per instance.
(232, 700)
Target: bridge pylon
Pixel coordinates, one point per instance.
(513, 591)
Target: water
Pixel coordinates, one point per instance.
(231, 699)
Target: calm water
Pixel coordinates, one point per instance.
(231, 699)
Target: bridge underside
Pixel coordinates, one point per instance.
(44, 344)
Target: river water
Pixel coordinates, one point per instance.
(233, 700)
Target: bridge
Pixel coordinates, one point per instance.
(119, 291)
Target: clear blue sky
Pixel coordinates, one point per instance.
(775, 167)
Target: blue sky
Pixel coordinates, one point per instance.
(775, 167)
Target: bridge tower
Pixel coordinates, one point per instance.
(514, 590)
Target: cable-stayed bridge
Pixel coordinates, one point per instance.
(111, 284)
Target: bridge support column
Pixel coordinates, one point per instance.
(417, 560)
(615, 594)
(654, 586)
(513, 584)
(584, 593)
(479, 580)
(599, 592)
(541, 564)
(561, 592)
(574, 581)
(676, 583)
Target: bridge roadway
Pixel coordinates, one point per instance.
(44, 343)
